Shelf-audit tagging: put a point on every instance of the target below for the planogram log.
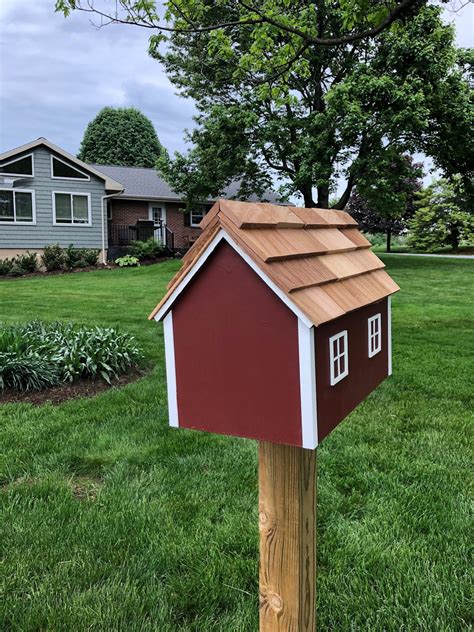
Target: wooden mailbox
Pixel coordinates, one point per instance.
(276, 327)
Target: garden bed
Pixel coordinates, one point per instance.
(71, 390)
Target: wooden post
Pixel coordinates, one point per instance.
(287, 518)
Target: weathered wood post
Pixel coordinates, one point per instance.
(287, 522)
(277, 326)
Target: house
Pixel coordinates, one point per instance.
(277, 324)
(49, 196)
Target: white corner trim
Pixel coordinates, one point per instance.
(53, 177)
(72, 222)
(389, 333)
(222, 235)
(170, 370)
(307, 366)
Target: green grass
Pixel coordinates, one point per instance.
(112, 521)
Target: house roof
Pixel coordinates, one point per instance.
(144, 183)
(110, 183)
(316, 260)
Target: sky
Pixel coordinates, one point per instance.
(57, 73)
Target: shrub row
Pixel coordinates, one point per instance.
(56, 258)
(139, 251)
(53, 258)
(37, 355)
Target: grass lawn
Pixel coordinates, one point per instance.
(112, 521)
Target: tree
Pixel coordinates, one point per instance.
(278, 104)
(384, 198)
(121, 136)
(361, 19)
(438, 220)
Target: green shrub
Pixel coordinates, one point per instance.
(149, 249)
(80, 257)
(90, 256)
(128, 260)
(6, 266)
(53, 257)
(61, 352)
(27, 262)
(27, 373)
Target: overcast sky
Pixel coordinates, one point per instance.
(57, 73)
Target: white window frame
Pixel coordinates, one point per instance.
(335, 376)
(33, 204)
(196, 224)
(19, 175)
(374, 334)
(72, 223)
(53, 177)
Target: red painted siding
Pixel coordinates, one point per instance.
(236, 354)
(365, 374)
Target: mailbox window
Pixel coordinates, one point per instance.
(375, 334)
(338, 357)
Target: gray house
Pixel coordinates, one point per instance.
(48, 196)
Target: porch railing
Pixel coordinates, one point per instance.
(120, 235)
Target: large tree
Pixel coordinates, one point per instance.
(121, 136)
(383, 200)
(303, 93)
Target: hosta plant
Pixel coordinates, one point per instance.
(37, 355)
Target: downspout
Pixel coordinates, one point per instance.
(103, 198)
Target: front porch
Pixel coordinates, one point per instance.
(121, 235)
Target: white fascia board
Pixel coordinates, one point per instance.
(222, 235)
(171, 370)
(307, 369)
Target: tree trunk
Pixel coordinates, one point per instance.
(389, 239)
(307, 196)
(454, 238)
(323, 196)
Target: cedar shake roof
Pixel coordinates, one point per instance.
(316, 257)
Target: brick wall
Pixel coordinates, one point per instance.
(175, 221)
(126, 212)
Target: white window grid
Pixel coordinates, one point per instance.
(197, 216)
(374, 325)
(338, 357)
(33, 207)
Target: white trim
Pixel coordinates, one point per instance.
(222, 235)
(345, 355)
(170, 370)
(376, 334)
(389, 333)
(72, 223)
(53, 177)
(162, 206)
(33, 204)
(307, 366)
(19, 175)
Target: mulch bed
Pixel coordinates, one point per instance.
(63, 392)
(109, 266)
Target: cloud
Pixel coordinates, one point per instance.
(57, 73)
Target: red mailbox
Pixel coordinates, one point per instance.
(277, 324)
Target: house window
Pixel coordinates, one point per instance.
(71, 208)
(197, 215)
(61, 170)
(17, 206)
(338, 357)
(375, 334)
(18, 167)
